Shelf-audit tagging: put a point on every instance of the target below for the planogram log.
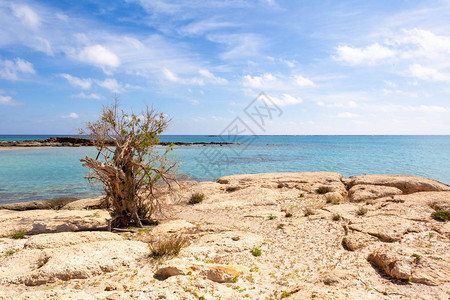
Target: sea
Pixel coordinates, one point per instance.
(46, 173)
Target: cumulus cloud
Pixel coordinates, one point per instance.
(205, 77)
(87, 96)
(268, 81)
(10, 70)
(428, 73)
(346, 115)
(368, 55)
(286, 99)
(28, 16)
(7, 100)
(211, 77)
(111, 84)
(85, 84)
(302, 81)
(99, 56)
(72, 115)
(259, 82)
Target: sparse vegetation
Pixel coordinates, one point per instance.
(309, 211)
(336, 217)
(256, 251)
(18, 235)
(361, 211)
(128, 164)
(9, 252)
(197, 198)
(170, 246)
(285, 294)
(271, 217)
(280, 226)
(288, 215)
(280, 185)
(441, 215)
(235, 238)
(231, 189)
(321, 190)
(416, 256)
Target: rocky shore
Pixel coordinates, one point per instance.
(262, 236)
(82, 142)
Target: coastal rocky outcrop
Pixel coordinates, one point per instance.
(254, 236)
(83, 142)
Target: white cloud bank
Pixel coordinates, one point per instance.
(10, 70)
(99, 56)
(85, 84)
(72, 115)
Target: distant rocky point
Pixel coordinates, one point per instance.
(83, 142)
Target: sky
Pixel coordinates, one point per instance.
(331, 67)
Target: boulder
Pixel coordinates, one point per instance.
(357, 240)
(172, 226)
(406, 183)
(363, 192)
(47, 221)
(223, 273)
(90, 203)
(400, 262)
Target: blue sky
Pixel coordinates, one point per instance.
(333, 67)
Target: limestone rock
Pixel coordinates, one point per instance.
(67, 239)
(56, 203)
(223, 273)
(363, 192)
(334, 197)
(172, 226)
(396, 266)
(90, 203)
(47, 221)
(387, 228)
(406, 183)
(357, 240)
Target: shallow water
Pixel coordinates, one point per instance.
(43, 173)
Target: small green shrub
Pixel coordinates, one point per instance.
(18, 235)
(280, 185)
(231, 189)
(416, 256)
(336, 217)
(170, 246)
(280, 226)
(361, 211)
(235, 238)
(271, 217)
(288, 215)
(441, 215)
(321, 190)
(309, 212)
(256, 251)
(285, 294)
(197, 198)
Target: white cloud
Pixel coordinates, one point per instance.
(85, 84)
(99, 56)
(239, 46)
(211, 77)
(302, 81)
(259, 82)
(348, 104)
(428, 73)
(72, 115)
(87, 96)
(346, 115)
(368, 55)
(111, 84)
(28, 17)
(7, 100)
(10, 69)
(201, 27)
(286, 99)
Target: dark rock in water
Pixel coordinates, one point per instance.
(56, 204)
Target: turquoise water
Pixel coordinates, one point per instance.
(32, 174)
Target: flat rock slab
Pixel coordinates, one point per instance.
(387, 228)
(56, 203)
(363, 192)
(74, 255)
(307, 181)
(90, 203)
(47, 221)
(406, 183)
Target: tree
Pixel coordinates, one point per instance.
(128, 164)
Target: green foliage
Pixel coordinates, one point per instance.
(416, 256)
(288, 215)
(271, 217)
(441, 215)
(197, 198)
(361, 211)
(309, 211)
(321, 190)
(285, 294)
(280, 226)
(9, 252)
(256, 251)
(169, 246)
(336, 217)
(18, 235)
